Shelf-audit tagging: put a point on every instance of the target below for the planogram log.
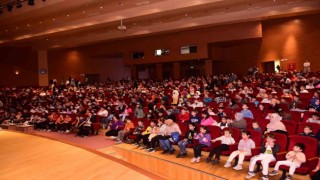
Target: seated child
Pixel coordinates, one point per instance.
(294, 160)
(307, 131)
(244, 149)
(256, 126)
(204, 141)
(226, 140)
(188, 139)
(268, 154)
(223, 124)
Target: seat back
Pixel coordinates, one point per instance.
(314, 126)
(215, 131)
(291, 126)
(256, 136)
(236, 133)
(309, 142)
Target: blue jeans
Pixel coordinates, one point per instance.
(183, 146)
(165, 144)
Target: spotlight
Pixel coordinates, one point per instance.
(31, 2)
(9, 7)
(19, 5)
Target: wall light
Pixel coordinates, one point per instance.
(17, 72)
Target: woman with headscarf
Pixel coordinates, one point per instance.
(239, 122)
(275, 124)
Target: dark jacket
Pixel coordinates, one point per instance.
(275, 149)
(190, 135)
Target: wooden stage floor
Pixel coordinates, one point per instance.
(25, 157)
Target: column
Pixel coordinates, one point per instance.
(159, 71)
(208, 67)
(43, 68)
(134, 73)
(176, 70)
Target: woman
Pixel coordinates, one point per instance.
(275, 124)
(114, 127)
(239, 122)
(171, 129)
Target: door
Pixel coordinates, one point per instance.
(269, 67)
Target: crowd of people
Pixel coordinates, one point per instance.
(153, 114)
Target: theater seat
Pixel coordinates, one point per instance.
(310, 152)
(291, 126)
(314, 126)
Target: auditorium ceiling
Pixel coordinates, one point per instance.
(71, 23)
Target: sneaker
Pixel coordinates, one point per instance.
(183, 155)
(238, 167)
(208, 160)
(136, 144)
(265, 177)
(165, 151)
(288, 177)
(273, 173)
(119, 142)
(197, 159)
(67, 131)
(193, 160)
(151, 150)
(178, 155)
(250, 175)
(172, 151)
(228, 164)
(214, 162)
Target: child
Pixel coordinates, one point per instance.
(226, 140)
(125, 131)
(307, 131)
(223, 124)
(256, 126)
(294, 160)
(268, 154)
(138, 130)
(144, 135)
(246, 112)
(204, 141)
(314, 118)
(194, 118)
(188, 139)
(244, 149)
(220, 112)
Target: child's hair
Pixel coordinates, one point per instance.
(255, 122)
(192, 124)
(307, 127)
(206, 129)
(271, 136)
(227, 130)
(248, 133)
(301, 146)
(224, 117)
(153, 122)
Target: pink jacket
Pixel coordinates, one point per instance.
(207, 122)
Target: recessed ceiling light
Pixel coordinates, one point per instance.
(101, 7)
(47, 39)
(68, 15)
(6, 30)
(17, 28)
(53, 19)
(40, 22)
(28, 25)
(83, 12)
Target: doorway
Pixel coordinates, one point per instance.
(269, 67)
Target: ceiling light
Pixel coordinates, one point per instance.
(9, 7)
(68, 15)
(101, 7)
(6, 30)
(31, 2)
(83, 12)
(40, 22)
(53, 19)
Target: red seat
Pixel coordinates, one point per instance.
(215, 131)
(291, 126)
(296, 116)
(236, 134)
(314, 126)
(282, 140)
(249, 123)
(310, 152)
(307, 115)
